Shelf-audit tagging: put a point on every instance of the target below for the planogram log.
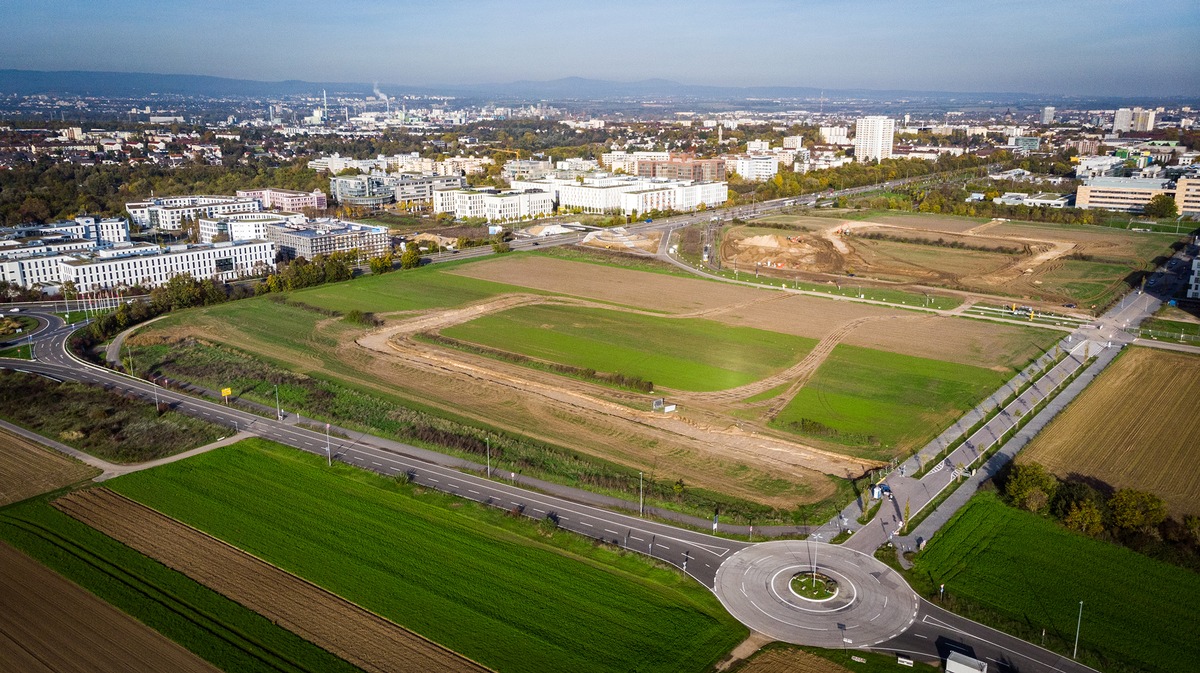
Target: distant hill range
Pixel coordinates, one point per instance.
(137, 85)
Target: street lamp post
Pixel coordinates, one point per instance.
(641, 496)
(278, 410)
(814, 556)
(1078, 624)
(489, 456)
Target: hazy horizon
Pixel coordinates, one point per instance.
(1068, 48)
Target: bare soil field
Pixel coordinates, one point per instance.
(51, 625)
(650, 291)
(358, 636)
(968, 342)
(789, 660)
(1053, 264)
(27, 469)
(1134, 427)
(619, 239)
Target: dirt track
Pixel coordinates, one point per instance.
(358, 636)
(51, 625)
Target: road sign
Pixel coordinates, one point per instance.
(226, 392)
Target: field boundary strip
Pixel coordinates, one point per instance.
(350, 631)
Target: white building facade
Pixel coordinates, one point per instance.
(169, 213)
(873, 138)
(150, 266)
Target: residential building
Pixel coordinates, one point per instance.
(1122, 120)
(149, 265)
(1047, 115)
(1025, 144)
(410, 189)
(290, 200)
(627, 161)
(1143, 120)
(326, 235)
(834, 135)
(1193, 290)
(754, 146)
(757, 168)
(243, 226)
(494, 205)
(98, 231)
(1121, 194)
(795, 142)
(873, 138)
(170, 212)
(1099, 167)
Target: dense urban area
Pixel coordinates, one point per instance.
(324, 378)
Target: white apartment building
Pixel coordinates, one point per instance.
(286, 199)
(753, 146)
(1187, 197)
(1143, 120)
(411, 189)
(873, 138)
(835, 135)
(526, 169)
(325, 235)
(678, 198)
(149, 265)
(1048, 115)
(169, 213)
(601, 193)
(756, 168)
(1122, 120)
(105, 231)
(244, 226)
(492, 204)
(794, 142)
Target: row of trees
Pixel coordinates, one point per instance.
(1128, 516)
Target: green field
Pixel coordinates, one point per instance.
(684, 354)
(885, 404)
(1025, 573)
(217, 629)
(409, 290)
(474, 579)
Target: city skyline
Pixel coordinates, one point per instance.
(1065, 48)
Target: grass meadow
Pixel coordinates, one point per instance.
(685, 354)
(884, 404)
(1024, 573)
(494, 587)
(220, 631)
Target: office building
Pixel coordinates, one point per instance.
(493, 205)
(1122, 194)
(526, 169)
(1048, 115)
(243, 226)
(1142, 120)
(149, 265)
(410, 189)
(290, 200)
(170, 212)
(1187, 196)
(873, 138)
(364, 191)
(601, 193)
(681, 167)
(757, 168)
(325, 235)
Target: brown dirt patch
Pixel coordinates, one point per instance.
(651, 291)
(324, 619)
(27, 469)
(950, 225)
(1135, 426)
(790, 660)
(51, 625)
(619, 239)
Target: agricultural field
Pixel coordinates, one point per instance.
(359, 637)
(1052, 264)
(227, 635)
(1024, 573)
(883, 404)
(1135, 426)
(49, 625)
(99, 422)
(27, 469)
(681, 354)
(496, 588)
(678, 332)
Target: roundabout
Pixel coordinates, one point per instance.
(811, 593)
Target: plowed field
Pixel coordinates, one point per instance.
(358, 636)
(788, 660)
(48, 624)
(27, 469)
(1134, 427)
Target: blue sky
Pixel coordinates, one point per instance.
(1102, 47)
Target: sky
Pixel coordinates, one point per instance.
(1061, 47)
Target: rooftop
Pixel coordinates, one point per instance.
(1129, 183)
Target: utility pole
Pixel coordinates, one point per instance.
(489, 456)
(328, 454)
(641, 497)
(278, 410)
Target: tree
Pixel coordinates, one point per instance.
(1137, 510)
(1031, 487)
(1085, 517)
(1161, 206)
(411, 257)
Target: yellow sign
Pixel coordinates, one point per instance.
(226, 392)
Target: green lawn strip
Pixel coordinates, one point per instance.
(473, 578)
(97, 421)
(680, 353)
(215, 628)
(407, 290)
(882, 403)
(18, 352)
(846, 287)
(1024, 573)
